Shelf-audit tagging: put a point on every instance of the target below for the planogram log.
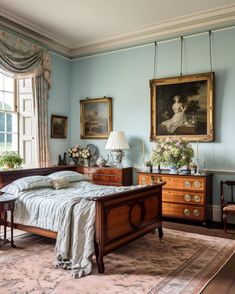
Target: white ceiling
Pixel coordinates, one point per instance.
(80, 23)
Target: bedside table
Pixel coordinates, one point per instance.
(109, 176)
(7, 203)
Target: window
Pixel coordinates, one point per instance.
(17, 118)
(8, 115)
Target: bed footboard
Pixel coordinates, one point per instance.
(124, 217)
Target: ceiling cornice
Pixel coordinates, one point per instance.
(191, 23)
(180, 26)
(44, 40)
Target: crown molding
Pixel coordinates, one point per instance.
(191, 23)
(43, 40)
(34, 28)
(197, 22)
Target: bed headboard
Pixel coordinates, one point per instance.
(9, 176)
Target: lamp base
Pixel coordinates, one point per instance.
(117, 156)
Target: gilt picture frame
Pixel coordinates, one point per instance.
(95, 118)
(59, 126)
(183, 107)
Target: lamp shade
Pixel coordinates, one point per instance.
(117, 141)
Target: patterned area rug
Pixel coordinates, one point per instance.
(181, 263)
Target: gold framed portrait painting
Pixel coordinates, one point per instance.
(95, 118)
(59, 126)
(183, 107)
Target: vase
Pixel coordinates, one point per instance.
(86, 162)
(75, 160)
(9, 165)
(173, 170)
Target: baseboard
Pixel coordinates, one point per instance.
(215, 211)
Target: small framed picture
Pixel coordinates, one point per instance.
(96, 118)
(59, 126)
(183, 107)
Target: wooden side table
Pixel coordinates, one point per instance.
(7, 203)
(109, 176)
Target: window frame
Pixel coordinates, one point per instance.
(14, 111)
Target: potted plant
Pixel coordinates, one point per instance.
(173, 153)
(10, 159)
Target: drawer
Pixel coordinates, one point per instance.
(191, 212)
(107, 178)
(184, 183)
(100, 178)
(109, 171)
(148, 179)
(183, 196)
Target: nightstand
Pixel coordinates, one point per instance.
(7, 203)
(109, 176)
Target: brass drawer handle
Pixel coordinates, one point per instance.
(143, 180)
(197, 184)
(187, 184)
(196, 198)
(186, 212)
(196, 212)
(187, 197)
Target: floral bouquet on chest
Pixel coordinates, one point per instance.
(173, 153)
(85, 155)
(74, 153)
(80, 155)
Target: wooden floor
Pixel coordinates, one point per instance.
(224, 281)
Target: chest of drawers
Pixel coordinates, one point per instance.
(183, 196)
(110, 176)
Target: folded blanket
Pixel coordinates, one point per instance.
(75, 239)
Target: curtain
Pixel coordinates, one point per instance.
(22, 59)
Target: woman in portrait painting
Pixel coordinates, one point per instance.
(179, 117)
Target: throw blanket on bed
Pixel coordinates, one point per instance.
(75, 239)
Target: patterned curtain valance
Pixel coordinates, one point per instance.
(21, 59)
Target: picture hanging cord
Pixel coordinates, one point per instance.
(181, 54)
(210, 40)
(155, 58)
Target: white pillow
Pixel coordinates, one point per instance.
(70, 176)
(60, 183)
(27, 183)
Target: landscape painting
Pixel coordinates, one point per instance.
(59, 126)
(96, 118)
(183, 107)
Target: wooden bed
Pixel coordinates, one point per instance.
(120, 218)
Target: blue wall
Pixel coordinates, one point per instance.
(124, 75)
(59, 102)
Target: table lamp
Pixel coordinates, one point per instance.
(117, 143)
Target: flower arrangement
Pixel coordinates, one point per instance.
(85, 153)
(10, 159)
(77, 152)
(74, 152)
(172, 152)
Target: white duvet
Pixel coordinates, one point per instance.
(71, 213)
